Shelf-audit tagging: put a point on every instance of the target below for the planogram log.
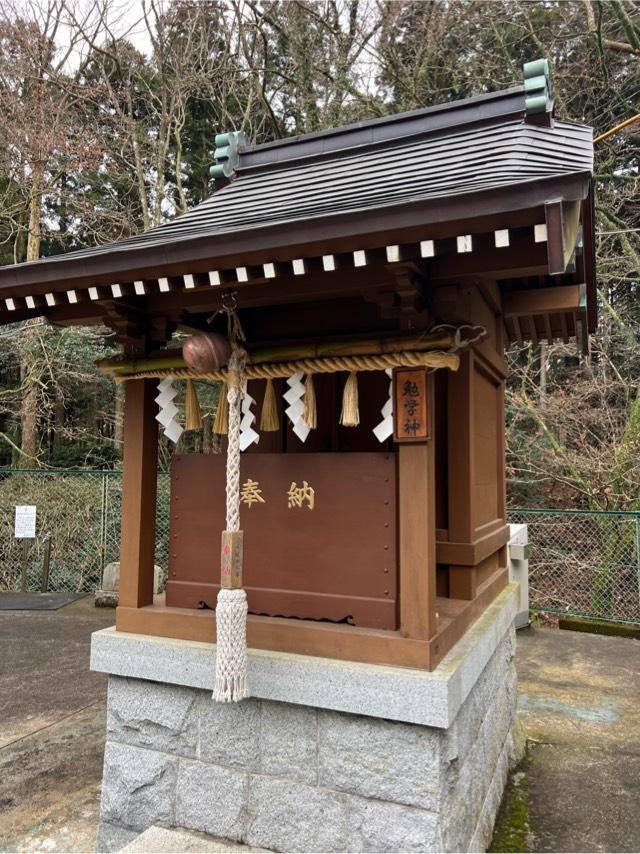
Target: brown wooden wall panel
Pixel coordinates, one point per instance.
(336, 561)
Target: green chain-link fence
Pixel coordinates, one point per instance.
(78, 514)
(582, 563)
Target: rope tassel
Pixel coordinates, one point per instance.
(221, 424)
(231, 650)
(192, 415)
(309, 416)
(350, 415)
(269, 421)
(231, 609)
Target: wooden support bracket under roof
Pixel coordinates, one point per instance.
(543, 300)
(547, 313)
(563, 224)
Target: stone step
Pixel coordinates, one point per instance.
(175, 840)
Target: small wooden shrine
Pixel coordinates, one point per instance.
(378, 271)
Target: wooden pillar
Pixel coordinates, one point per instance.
(139, 482)
(417, 540)
(462, 579)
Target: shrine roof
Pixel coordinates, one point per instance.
(471, 158)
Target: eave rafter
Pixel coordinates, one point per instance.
(389, 275)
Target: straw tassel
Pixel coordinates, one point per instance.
(221, 425)
(310, 415)
(350, 416)
(269, 421)
(192, 415)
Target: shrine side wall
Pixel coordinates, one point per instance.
(303, 777)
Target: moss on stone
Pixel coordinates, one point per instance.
(512, 831)
(600, 627)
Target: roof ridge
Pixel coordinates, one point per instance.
(384, 130)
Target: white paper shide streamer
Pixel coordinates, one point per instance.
(295, 409)
(384, 429)
(168, 410)
(248, 436)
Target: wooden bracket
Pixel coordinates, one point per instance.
(137, 332)
(409, 304)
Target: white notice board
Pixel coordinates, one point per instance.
(25, 527)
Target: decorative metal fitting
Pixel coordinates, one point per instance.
(227, 153)
(537, 87)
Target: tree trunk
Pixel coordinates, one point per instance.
(543, 373)
(118, 425)
(29, 403)
(29, 421)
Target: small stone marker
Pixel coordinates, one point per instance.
(107, 597)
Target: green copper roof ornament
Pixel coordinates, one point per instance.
(537, 86)
(227, 154)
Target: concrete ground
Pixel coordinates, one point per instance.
(52, 722)
(578, 788)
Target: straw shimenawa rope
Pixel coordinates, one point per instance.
(231, 608)
(328, 365)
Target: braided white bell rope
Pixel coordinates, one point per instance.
(231, 609)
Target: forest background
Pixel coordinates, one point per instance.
(108, 114)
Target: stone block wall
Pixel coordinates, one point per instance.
(297, 778)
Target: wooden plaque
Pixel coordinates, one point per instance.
(410, 405)
(231, 560)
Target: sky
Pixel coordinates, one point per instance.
(122, 18)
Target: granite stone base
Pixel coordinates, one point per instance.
(294, 777)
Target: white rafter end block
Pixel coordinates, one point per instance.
(189, 281)
(139, 288)
(393, 254)
(269, 271)
(359, 258)
(464, 243)
(299, 268)
(10, 304)
(242, 274)
(93, 293)
(427, 249)
(116, 290)
(501, 237)
(72, 296)
(163, 285)
(328, 263)
(540, 233)
(30, 302)
(214, 278)
(50, 299)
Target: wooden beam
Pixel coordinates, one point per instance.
(417, 540)
(521, 257)
(542, 300)
(328, 640)
(138, 514)
(289, 289)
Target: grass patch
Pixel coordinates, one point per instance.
(512, 832)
